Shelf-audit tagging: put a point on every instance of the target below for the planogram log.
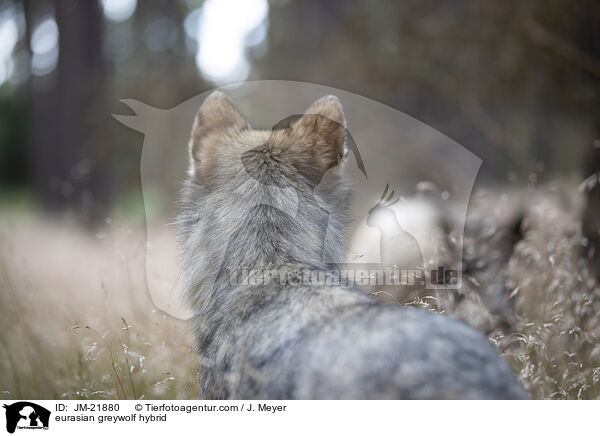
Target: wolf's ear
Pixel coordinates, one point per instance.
(323, 127)
(217, 112)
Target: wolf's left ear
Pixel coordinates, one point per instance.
(324, 126)
(217, 112)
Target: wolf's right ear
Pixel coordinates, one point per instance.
(217, 112)
(322, 129)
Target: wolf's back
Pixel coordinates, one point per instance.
(336, 343)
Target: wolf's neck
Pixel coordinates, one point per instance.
(270, 237)
(230, 238)
(264, 252)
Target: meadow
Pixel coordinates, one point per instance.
(76, 320)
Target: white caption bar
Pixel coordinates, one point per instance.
(298, 417)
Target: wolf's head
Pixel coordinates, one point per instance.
(262, 197)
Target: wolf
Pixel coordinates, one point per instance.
(257, 199)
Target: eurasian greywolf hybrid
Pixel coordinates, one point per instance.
(259, 200)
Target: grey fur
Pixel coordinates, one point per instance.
(286, 341)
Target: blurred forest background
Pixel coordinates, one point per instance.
(517, 83)
(514, 82)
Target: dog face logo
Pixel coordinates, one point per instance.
(26, 415)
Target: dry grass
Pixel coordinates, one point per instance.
(548, 327)
(556, 345)
(76, 321)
